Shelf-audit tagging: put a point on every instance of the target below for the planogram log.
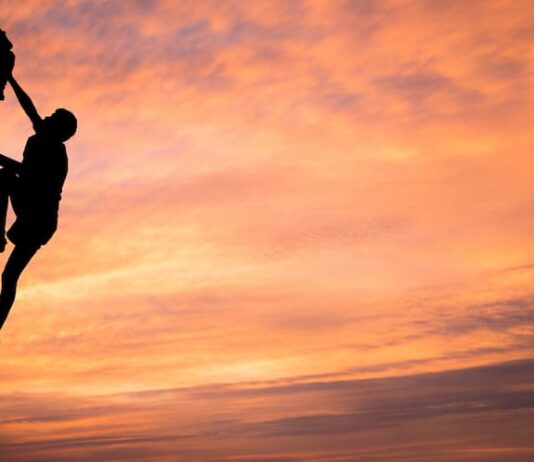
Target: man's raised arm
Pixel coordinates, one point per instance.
(26, 102)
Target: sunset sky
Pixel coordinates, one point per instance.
(292, 231)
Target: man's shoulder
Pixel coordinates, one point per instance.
(32, 140)
(39, 127)
(41, 143)
(44, 137)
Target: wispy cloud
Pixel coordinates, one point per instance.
(389, 406)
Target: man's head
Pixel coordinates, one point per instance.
(62, 123)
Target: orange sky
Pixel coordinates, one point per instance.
(292, 231)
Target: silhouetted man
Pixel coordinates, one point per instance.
(34, 187)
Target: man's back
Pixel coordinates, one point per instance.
(43, 172)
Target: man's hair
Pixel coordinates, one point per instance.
(65, 124)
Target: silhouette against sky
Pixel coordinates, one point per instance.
(33, 186)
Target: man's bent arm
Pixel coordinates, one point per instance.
(25, 101)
